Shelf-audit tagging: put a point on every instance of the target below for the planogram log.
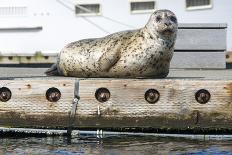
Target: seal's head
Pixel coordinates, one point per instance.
(163, 22)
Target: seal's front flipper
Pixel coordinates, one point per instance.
(108, 60)
(52, 71)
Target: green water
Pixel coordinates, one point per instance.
(112, 146)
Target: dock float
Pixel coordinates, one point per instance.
(192, 103)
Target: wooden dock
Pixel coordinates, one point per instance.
(186, 100)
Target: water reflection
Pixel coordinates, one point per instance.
(112, 146)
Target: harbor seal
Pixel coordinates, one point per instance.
(145, 52)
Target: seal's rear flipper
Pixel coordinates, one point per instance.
(52, 71)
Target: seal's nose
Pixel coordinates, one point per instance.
(166, 20)
(167, 23)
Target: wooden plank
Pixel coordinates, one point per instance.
(213, 60)
(176, 108)
(37, 58)
(28, 105)
(201, 39)
(9, 60)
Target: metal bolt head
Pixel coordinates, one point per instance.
(102, 94)
(152, 96)
(5, 94)
(53, 94)
(202, 96)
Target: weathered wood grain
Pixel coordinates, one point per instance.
(28, 105)
(176, 108)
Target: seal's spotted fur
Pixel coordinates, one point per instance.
(145, 52)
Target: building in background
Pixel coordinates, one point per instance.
(27, 26)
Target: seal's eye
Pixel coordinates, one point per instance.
(173, 19)
(158, 18)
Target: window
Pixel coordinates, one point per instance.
(142, 6)
(87, 9)
(198, 4)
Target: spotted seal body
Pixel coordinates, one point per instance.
(144, 52)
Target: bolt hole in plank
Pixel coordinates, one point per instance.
(202, 96)
(152, 96)
(53, 94)
(28, 58)
(102, 94)
(5, 94)
(10, 58)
